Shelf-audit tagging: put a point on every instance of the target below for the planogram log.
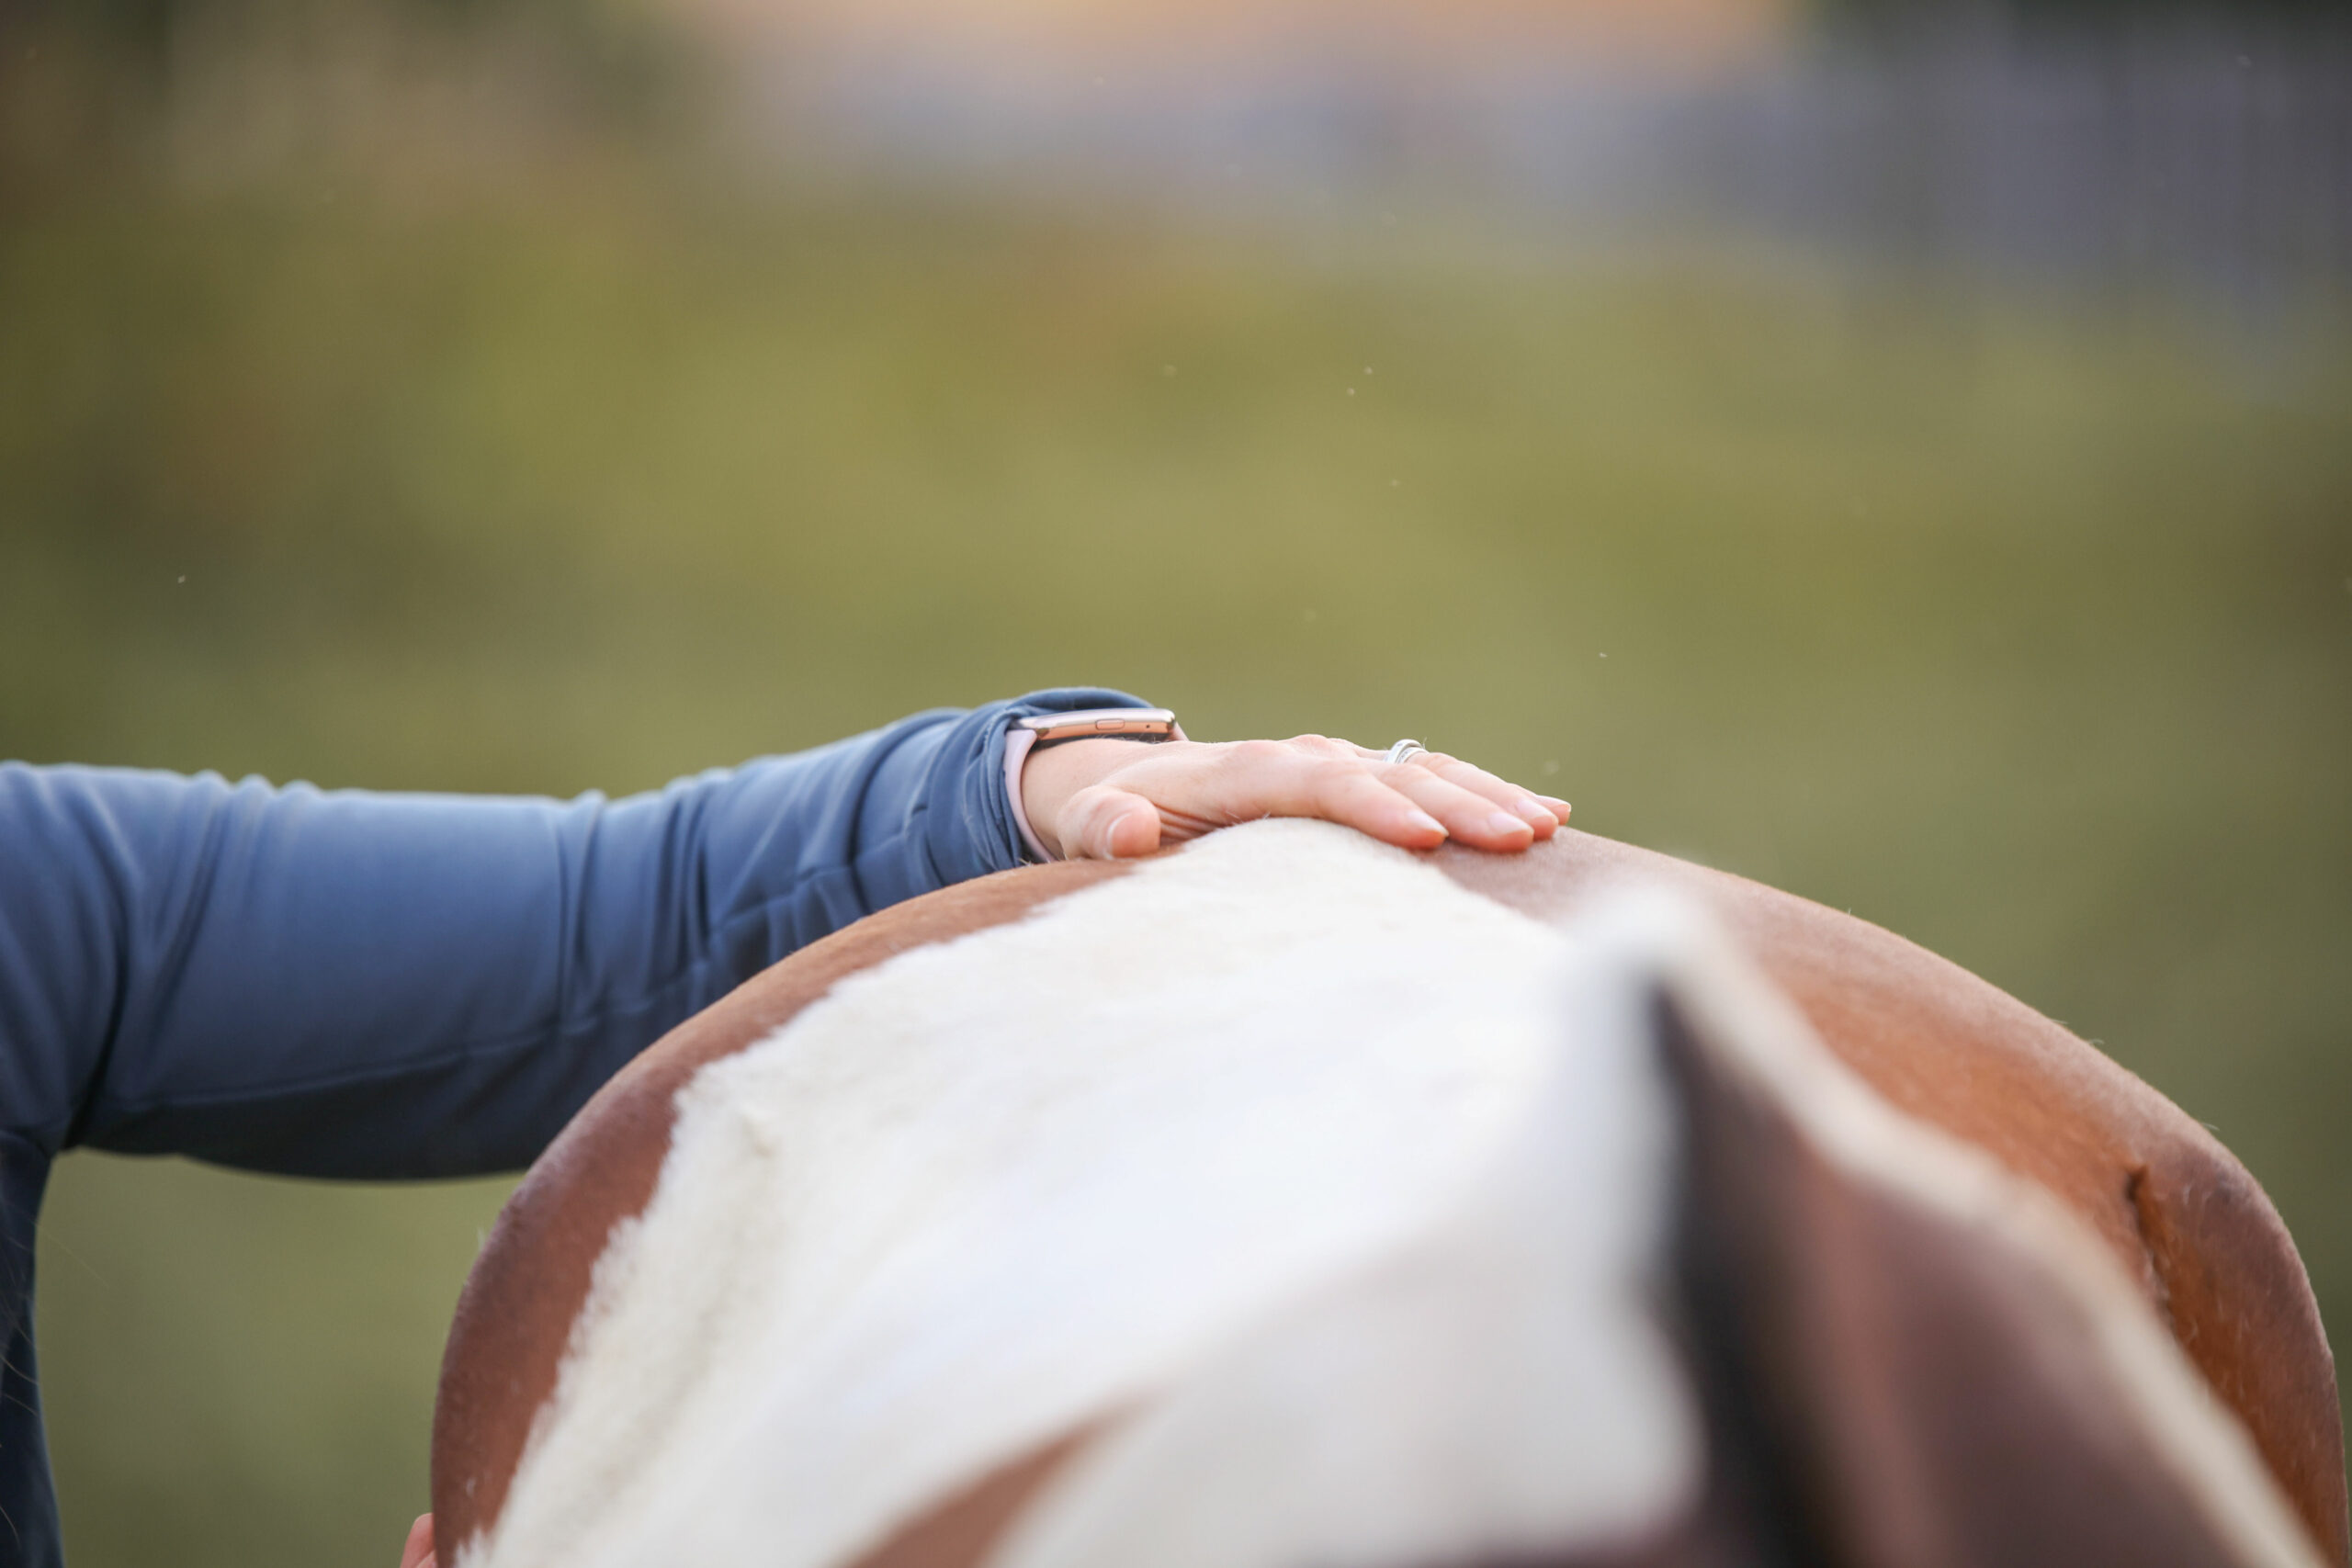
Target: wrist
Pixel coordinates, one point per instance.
(1036, 813)
(1050, 776)
(1018, 743)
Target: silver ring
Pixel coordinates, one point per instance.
(1405, 752)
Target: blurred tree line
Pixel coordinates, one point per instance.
(612, 42)
(90, 80)
(103, 90)
(143, 35)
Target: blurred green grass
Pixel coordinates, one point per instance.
(2026, 631)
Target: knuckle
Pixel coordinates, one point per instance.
(1248, 755)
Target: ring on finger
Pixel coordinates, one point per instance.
(1405, 752)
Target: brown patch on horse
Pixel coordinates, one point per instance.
(962, 1532)
(514, 1320)
(1880, 1382)
(2245, 1316)
(2176, 1209)
(1888, 1383)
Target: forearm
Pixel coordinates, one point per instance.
(396, 985)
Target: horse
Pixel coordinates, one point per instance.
(1292, 1199)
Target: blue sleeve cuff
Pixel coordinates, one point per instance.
(981, 835)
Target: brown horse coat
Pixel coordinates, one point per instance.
(2181, 1217)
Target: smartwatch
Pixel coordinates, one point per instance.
(1149, 726)
(1086, 724)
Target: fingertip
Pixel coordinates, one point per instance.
(1510, 830)
(1409, 828)
(1531, 810)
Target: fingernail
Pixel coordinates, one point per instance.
(1538, 815)
(1423, 822)
(1503, 824)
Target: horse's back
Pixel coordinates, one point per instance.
(2188, 1227)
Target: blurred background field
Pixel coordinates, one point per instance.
(548, 397)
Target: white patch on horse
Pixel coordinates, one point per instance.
(1489, 1389)
(1338, 1193)
(996, 1187)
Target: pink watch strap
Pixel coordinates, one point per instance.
(1017, 742)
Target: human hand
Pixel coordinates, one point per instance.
(1110, 799)
(418, 1552)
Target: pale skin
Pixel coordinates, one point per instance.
(1112, 799)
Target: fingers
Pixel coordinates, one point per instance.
(1469, 816)
(1272, 778)
(1142, 798)
(1347, 791)
(418, 1552)
(1527, 805)
(1541, 815)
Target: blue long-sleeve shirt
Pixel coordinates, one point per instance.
(344, 984)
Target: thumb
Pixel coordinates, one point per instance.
(1104, 822)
